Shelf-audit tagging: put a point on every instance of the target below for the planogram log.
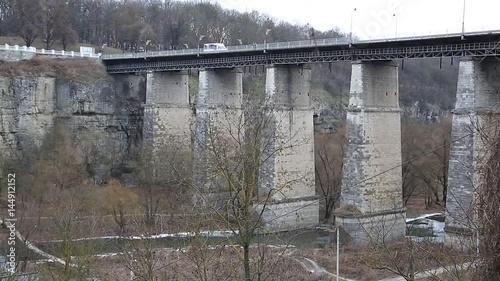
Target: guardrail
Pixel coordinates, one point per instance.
(238, 48)
(289, 45)
(63, 53)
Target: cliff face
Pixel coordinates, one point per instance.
(26, 111)
(101, 113)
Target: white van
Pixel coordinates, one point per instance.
(214, 47)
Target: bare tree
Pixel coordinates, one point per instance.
(329, 150)
(238, 144)
(425, 151)
(73, 216)
(29, 19)
(487, 208)
(118, 200)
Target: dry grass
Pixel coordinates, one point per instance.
(366, 263)
(74, 69)
(221, 264)
(224, 263)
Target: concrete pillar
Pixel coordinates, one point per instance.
(167, 119)
(218, 110)
(287, 172)
(371, 204)
(477, 93)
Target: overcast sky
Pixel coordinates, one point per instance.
(374, 18)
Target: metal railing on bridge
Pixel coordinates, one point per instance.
(390, 53)
(286, 45)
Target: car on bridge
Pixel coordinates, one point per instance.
(214, 47)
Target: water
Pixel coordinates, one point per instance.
(426, 228)
(298, 239)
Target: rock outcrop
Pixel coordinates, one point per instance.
(99, 111)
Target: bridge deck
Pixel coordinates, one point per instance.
(481, 44)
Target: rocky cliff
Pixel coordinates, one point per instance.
(99, 111)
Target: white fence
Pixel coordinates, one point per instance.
(7, 47)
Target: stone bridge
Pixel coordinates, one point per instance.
(371, 204)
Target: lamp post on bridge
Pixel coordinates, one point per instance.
(199, 41)
(265, 38)
(463, 23)
(396, 17)
(350, 33)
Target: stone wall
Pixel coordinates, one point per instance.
(477, 93)
(372, 180)
(168, 113)
(218, 115)
(288, 170)
(16, 55)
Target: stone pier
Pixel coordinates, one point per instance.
(167, 120)
(287, 172)
(218, 114)
(371, 203)
(477, 93)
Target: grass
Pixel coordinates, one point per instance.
(77, 70)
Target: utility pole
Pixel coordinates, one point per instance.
(338, 253)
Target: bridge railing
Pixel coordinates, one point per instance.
(237, 48)
(63, 53)
(288, 45)
(306, 56)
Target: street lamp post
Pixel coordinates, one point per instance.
(352, 16)
(199, 41)
(463, 22)
(396, 17)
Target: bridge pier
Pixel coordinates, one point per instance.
(288, 169)
(167, 120)
(218, 114)
(477, 93)
(371, 206)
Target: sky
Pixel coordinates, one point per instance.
(380, 18)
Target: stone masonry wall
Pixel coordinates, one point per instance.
(16, 55)
(288, 89)
(168, 113)
(371, 196)
(477, 93)
(289, 165)
(218, 112)
(372, 174)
